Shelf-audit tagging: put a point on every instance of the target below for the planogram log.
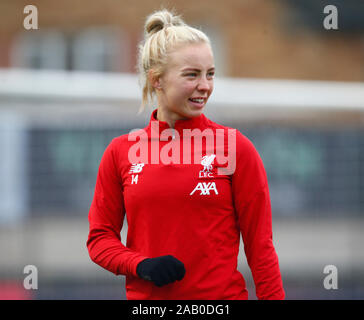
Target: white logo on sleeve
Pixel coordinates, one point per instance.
(205, 188)
(135, 168)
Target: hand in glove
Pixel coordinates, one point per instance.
(161, 270)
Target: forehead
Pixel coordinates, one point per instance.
(192, 55)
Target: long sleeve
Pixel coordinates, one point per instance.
(253, 209)
(106, 217)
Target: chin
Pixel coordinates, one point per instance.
(195, 112)
(188, 112)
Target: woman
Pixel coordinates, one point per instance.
(184, 212)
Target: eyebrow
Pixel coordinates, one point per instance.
(195, 69)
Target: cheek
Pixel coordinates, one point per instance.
(184, 91)
(188, 88)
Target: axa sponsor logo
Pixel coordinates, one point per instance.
(205, 188)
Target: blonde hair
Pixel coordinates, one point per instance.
(163, 32)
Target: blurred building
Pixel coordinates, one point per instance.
(259, 39)
(291, 86)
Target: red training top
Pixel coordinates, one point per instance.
(185, 209)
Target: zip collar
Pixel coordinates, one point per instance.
(191, 123)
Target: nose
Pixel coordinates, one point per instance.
(203, 84)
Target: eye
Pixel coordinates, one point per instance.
(211, 74)
(192, 74)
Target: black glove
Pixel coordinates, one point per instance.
(161, 270)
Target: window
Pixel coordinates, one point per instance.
(39, 50)
(99, 49)
(93, 49)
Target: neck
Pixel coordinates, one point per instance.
(167, 116)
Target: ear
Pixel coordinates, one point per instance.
(154, 79)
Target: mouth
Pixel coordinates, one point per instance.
(198, 102)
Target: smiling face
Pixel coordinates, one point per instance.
(187, 83)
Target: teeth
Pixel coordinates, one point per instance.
(198, 100)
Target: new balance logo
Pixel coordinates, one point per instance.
(136, 167)
(205, 188)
